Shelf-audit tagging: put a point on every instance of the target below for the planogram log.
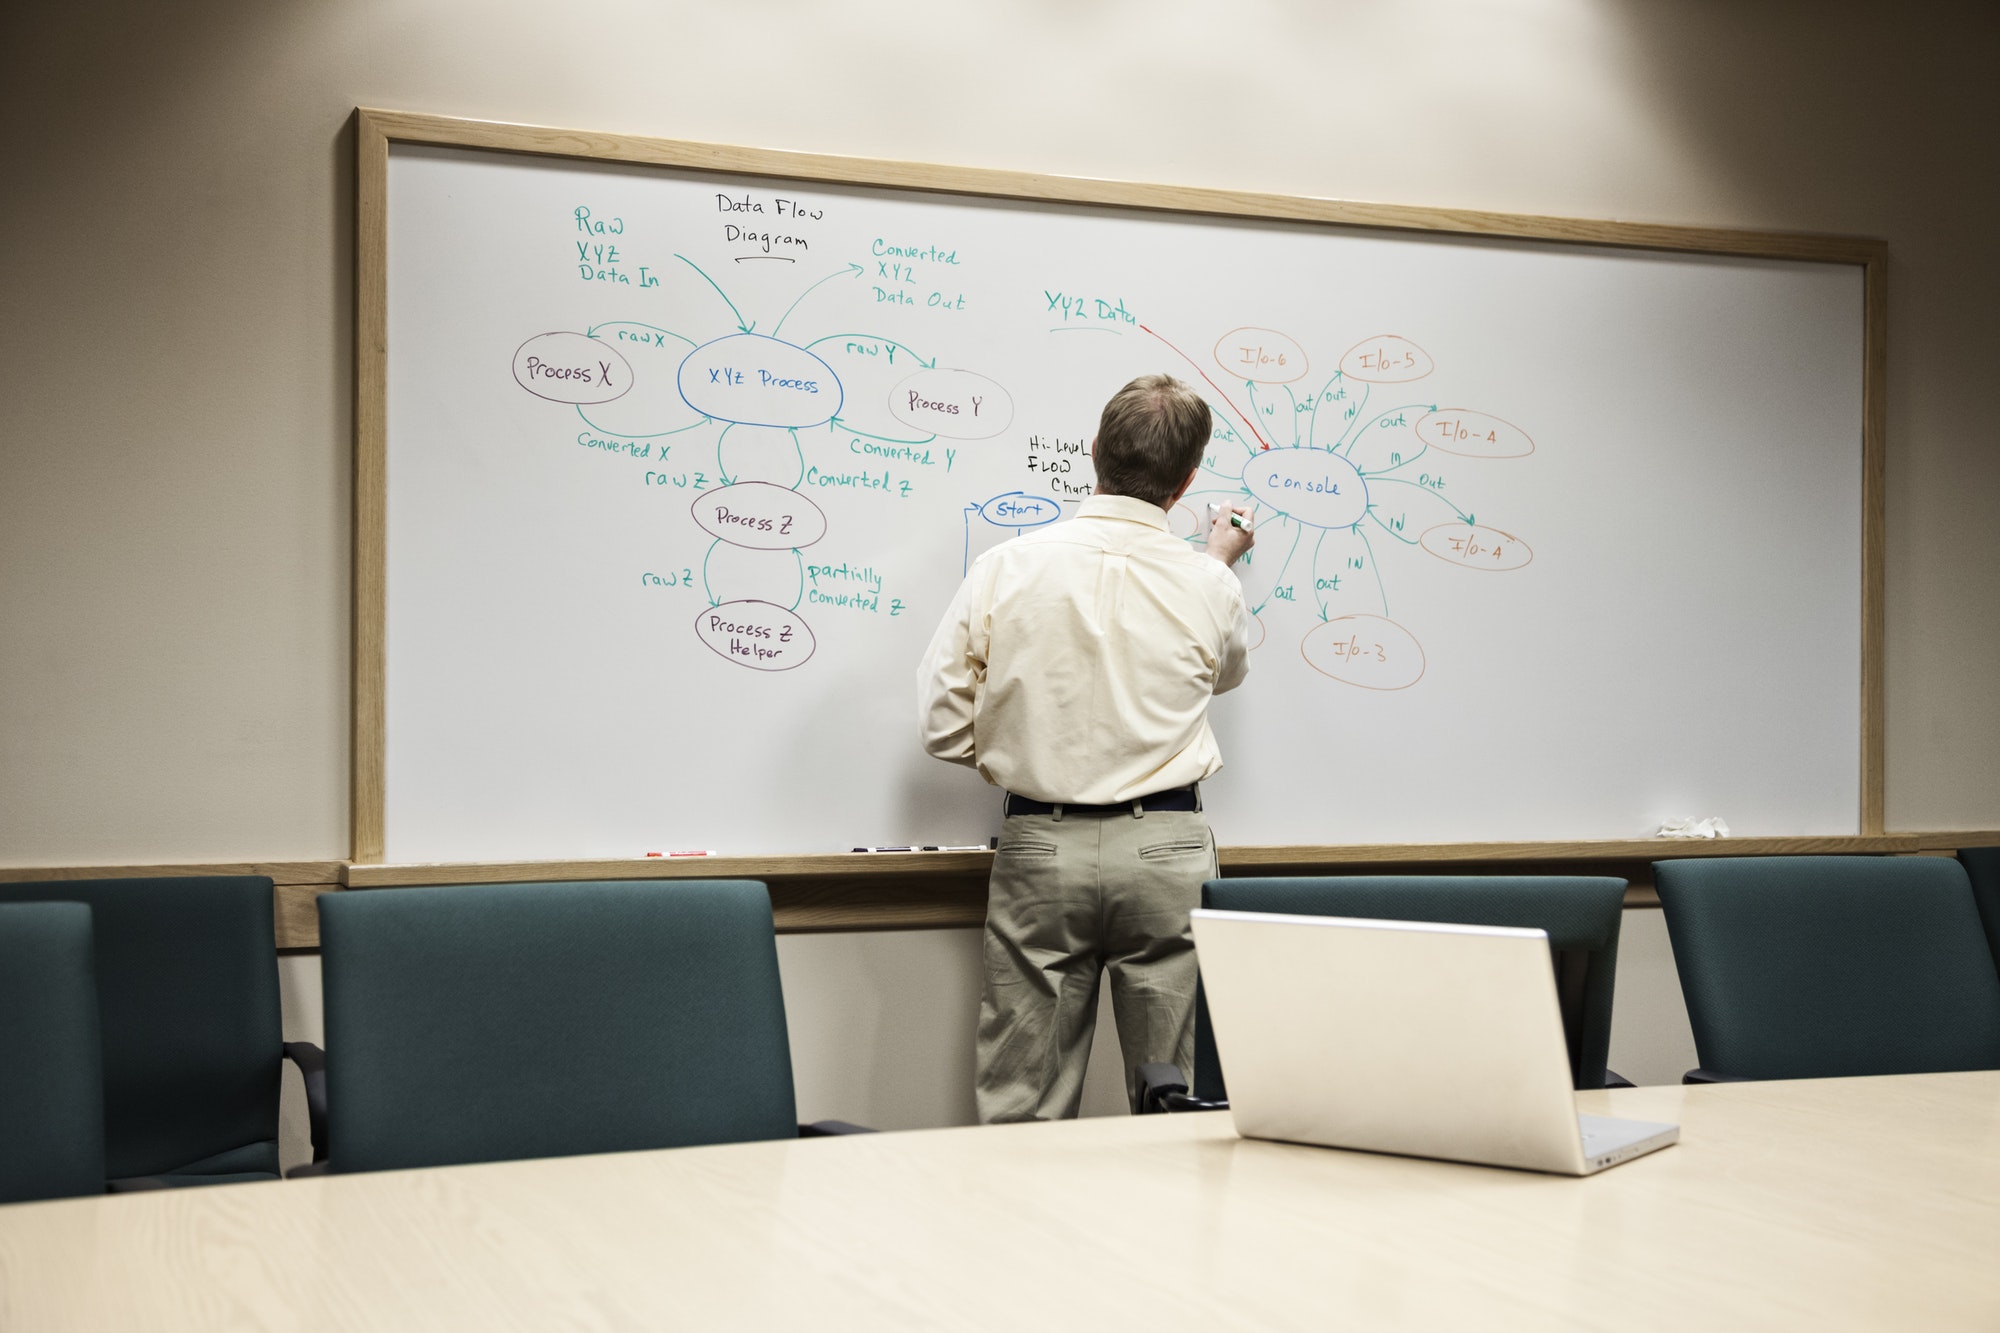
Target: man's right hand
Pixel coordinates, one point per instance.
(1227, 541)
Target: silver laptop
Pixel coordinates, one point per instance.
(1408, 1037)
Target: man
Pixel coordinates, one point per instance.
(1074, 669)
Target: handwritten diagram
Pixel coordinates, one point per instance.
(742, 398)
(764, 423)
(1350, 470)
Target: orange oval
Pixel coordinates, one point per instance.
(1471, 546)
(1370, 651)
(1262, 356)
(1454, 430)
(1386, 358)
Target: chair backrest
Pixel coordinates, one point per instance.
(1580, 914)
(187, 998)
(1982, 867)
(1822, 966)
(484, 1022)
(51, 1085)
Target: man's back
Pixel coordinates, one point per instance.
(1096, 644)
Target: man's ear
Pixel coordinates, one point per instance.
(1185, 486)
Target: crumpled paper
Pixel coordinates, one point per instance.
(1694, 828)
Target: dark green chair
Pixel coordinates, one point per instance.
(187, 998)
(1982, 867)
(51, 1075)
(1580, 914)
(486, 1022)
(1827, 966)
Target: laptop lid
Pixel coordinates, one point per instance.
(1420, 1038)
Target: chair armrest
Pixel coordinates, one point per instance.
(1710, 1076)
(311, 1061)
(310, 1170)
(827, 1129)
(1614, 1080)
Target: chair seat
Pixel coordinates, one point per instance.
(253, 1161)
(173, 1180)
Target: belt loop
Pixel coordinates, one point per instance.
(1139, 809)
(1197, 798)
(1058, 812)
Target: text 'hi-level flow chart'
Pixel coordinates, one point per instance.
(752, 394)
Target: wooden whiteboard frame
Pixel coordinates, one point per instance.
(375, 130)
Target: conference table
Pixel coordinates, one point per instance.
(1831, 1204)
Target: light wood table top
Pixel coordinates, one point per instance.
(1831, 1204)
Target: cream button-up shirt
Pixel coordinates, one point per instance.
(1077, 661)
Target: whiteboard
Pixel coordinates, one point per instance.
(1555, 542)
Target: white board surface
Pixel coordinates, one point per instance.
(1554, 542)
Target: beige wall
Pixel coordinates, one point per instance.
(174, 426)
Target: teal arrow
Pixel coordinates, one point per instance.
(658, 434)
(704, 573)
(869, 337)
(591, 332)
(746, 328)
(842, 425)
(853, 270)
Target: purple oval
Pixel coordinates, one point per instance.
(571, 368)
(760, 635)
(760, 515)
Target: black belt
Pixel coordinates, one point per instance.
(1180, 798)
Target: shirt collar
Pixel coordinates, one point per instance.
(1124, 507)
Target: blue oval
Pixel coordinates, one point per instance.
(753, 380)
(1018, 510)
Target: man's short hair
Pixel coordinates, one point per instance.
(1150, 437)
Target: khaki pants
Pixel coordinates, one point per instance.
(1071, 896)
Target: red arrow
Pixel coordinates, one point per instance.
(1261, 441)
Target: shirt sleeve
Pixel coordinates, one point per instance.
(1235, 664)
(949, 677)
